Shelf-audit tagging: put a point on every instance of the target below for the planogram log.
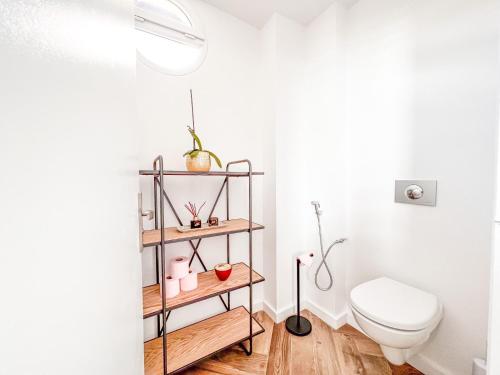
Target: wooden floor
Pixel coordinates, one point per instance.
(325, 351)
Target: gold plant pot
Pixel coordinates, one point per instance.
(199, 163)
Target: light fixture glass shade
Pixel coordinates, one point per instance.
(164, 9)
(168, 37)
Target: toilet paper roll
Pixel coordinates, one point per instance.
(189, 282)
(306, 259)
(179, 267)
(172, 287)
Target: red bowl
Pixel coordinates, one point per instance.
(223, 270)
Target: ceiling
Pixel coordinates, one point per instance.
(257, 12)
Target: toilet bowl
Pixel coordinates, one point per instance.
(397, 316)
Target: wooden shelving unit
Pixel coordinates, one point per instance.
(171, 235)
(153, 172)
(199, 341)
(208, 286)
(175, 351)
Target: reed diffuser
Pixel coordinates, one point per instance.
(195, 212)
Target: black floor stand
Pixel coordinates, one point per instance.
(298, 325)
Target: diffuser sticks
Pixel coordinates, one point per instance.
(194, 211)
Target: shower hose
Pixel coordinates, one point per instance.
(324, 255)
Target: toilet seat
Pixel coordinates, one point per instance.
(395, 305)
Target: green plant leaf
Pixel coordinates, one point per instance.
(191, 153)
(195, 137)
(216, 158)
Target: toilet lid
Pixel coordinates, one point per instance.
(394, 304)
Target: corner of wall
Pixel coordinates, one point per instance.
(334, 321)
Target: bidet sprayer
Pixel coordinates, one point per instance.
(316, 207)
(324, 254)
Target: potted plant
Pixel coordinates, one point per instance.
(198, 159)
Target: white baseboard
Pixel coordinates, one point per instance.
(334, 321)
(479, 367)
(258, 306)
(269, 310)
(285, 313)
(330, 319)
(278, 316)
(427, 366)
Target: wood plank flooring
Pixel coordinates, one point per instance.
(324, 352)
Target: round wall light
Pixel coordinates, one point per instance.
(169, 36)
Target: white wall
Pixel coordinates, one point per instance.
(422, 92)
(340, 109)
(305, 70)
(269, 64)
(326, 156)
(493, 359)
(69, 266)
(421, 103)
(231, 123)
(287, 77)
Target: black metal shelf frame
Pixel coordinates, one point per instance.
(160, 197)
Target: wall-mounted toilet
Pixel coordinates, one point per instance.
(397, 316)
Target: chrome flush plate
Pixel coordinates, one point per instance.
(421, 192)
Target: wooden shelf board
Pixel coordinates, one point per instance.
(208, 286)
(198, 341)
(152, 237)
(187, 173)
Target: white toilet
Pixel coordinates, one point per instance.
(398, 317)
